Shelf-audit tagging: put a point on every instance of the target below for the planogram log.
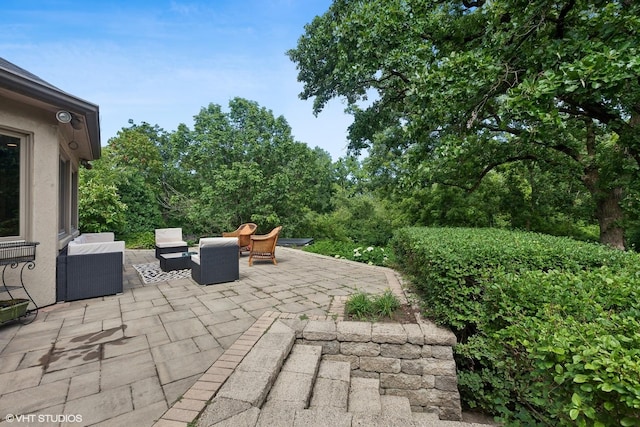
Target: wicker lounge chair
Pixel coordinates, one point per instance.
(242, 233)
(264, 246)
(169, 241)
(91, 266)
(216, 262)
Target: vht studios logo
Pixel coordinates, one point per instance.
(43, 418)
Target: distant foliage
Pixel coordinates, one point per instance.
(547, 326)
(359, 217)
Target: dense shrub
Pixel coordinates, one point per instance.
(142, 240)
(362, 219)
(100, 208)
(548, 327)
(451, 266)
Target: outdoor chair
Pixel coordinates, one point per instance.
(243, 234)
(217, 261)
(90, 266)
(169, 240)
(264, 246)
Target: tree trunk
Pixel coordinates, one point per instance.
(608, 210)
(610, 215)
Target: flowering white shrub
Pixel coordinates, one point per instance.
(371, 255)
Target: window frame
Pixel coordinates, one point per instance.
(26, 168)
(67, 198)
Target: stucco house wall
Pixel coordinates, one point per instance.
(28, 107)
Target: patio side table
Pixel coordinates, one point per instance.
(175, 261)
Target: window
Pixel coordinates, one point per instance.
(67, 198)
(63, 202)
(74, 200)
(13, 186)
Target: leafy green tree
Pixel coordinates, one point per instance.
(100, 208)
(135, 147)
(244, 166)
(132, 168)
(461, 87)
(235, 166)
(143, 210)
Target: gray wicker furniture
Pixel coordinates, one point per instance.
(91, 266)
(175, 261)
(217, 262)
(169, 240)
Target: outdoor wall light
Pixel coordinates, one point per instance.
(64, 116)
(85, 163)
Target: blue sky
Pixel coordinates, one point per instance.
(162, 61)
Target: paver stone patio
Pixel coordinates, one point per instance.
(126, 359)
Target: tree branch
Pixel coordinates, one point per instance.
(494, 165)
(518, 132)
(473, 3)
(593, 110)
(507, 129)
(488, 169)
(400, 75)
(561, 19)
(566, 150)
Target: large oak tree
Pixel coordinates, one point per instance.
(460, 87)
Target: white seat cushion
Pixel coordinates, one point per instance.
(165, 235)
(171, 244)
(95, 248)
(95, 237)
(218, 241)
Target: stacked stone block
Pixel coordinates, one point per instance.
(410, 360)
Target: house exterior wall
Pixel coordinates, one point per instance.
(42, 204)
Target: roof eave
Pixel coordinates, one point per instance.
(59, 99)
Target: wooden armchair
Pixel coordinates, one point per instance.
(264, 246)
(243, 233)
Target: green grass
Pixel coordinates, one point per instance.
(364, 306)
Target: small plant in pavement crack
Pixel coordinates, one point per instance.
(386, 304)
(359, 305)
(364, 306)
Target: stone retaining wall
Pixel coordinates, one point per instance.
(412, 360)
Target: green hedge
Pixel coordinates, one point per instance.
(450, 265)
(548, 327)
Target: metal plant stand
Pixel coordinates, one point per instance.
(17, 256)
